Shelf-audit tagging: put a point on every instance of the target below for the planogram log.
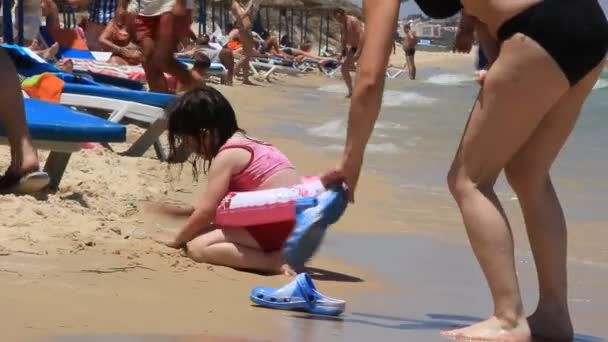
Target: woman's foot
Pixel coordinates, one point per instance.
(551, 326)
(493, 329)
(51, 52)
(247, 82)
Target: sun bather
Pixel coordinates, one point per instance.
(215, 52)
(119, 38)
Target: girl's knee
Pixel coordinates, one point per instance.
(196, 252)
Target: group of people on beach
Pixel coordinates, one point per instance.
(528, 104)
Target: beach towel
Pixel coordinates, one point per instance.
(130, 72)
(46, 87)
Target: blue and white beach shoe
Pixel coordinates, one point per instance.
(311, 223)
(300, 295)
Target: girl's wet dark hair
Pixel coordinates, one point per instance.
(202, 114)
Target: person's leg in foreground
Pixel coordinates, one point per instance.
(146, 28)
(170, 30)
(23, 174)
(514, 129)
(347, 66)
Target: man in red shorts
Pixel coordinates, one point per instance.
(159, 26)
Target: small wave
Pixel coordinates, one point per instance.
(450, 79)
(393, 98)
(337, 129)
(601, 84)
(330, 129)
(385, 148)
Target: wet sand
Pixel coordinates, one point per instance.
(435, 286)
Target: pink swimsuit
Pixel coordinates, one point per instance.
(266, 160)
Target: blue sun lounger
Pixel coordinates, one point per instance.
(62, 131)
(140, 106)
(29, 64)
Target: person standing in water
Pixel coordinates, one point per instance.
(242, 16)
(409, 47)
(527, 107)
(352, 41)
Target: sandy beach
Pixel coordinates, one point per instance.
(79, 262)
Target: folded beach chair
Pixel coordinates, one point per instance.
(328, 69)
(392, 73)
(265, 67)
(62, 131)
(144, 107)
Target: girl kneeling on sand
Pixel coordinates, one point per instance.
(204, 120)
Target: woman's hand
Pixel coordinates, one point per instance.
(464, 41)
(346, 172)
(465, 36)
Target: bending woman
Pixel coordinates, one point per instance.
(527, 107)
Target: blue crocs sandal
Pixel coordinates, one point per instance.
(311, 223)
(300, 295)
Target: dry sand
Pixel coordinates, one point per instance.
(78, 261)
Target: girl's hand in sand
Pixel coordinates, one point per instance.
(166, 240)
(169, 209)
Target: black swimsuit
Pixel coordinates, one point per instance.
(573, 32)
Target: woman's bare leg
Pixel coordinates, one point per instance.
(528, 174)
(154, 75)
(227, 59)
(506, 115)
(247, 42)
(234, 247)
(23, 155)
(347, 66)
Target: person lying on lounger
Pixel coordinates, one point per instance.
(215, 52)
(118, 37)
